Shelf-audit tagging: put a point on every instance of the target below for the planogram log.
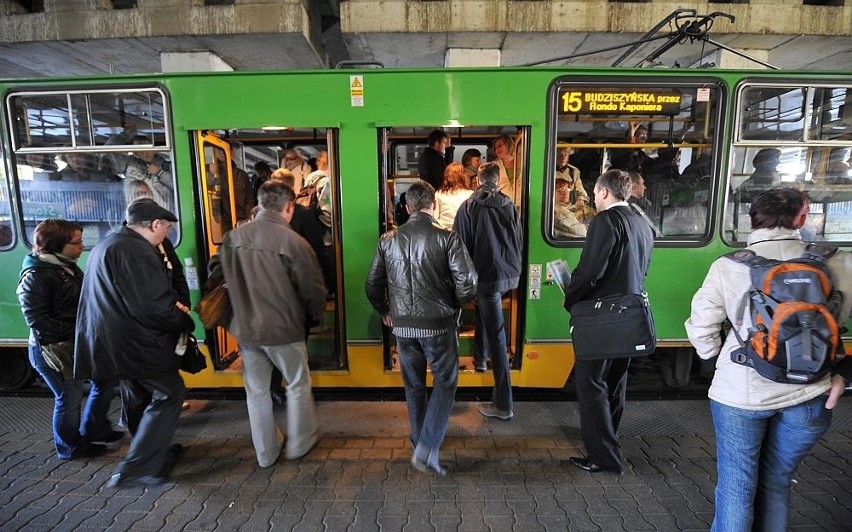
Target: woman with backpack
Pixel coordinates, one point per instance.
(764, 429)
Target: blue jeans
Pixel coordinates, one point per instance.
(69, 433)
(757, 454)
(429, 418)
(491, 338)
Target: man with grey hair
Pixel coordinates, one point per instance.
(128, 323)
(420, 277)
(615, 260)
(275, 284)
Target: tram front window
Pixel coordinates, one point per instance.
(664, 132)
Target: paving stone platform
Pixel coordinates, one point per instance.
(503, 475)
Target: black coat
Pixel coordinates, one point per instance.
(615, 258)
(48, 294)
(127, 321)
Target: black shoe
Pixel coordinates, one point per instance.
(90, 450)
(120, 481)
(110, 437)
(279, 397)
(589, 467)
(174, 453)
(423, 467)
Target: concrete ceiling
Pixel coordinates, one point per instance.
(291, 51)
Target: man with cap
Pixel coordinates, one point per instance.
(128, 324)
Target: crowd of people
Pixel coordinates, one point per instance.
(458, 246)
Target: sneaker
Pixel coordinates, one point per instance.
(480, 366)
(489, 410)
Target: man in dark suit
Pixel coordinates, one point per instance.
(615, 260)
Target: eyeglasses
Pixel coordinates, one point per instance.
(75, 242)
(563, 190)
(292, 158)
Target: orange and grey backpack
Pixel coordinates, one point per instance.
(794, 336)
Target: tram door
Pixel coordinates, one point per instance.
(402, 149)
(219, 216)
(325, 339)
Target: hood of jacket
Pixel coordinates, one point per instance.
(489, 196)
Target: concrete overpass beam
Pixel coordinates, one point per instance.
(193, 62)
(472, 57)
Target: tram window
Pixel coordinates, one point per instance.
(799, 136)
(773, 113)
(84, 155)
(664, 132)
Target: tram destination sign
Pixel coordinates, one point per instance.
(618, 102)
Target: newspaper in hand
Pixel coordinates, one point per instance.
(558, 269)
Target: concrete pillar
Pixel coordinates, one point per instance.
(193, 62)
(726, 59)
(472, 57)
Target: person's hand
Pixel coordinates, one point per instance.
(182, 307)
(580, 203)
(387, 320)
(838, 386)
(154, 168)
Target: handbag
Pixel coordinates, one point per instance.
(60, 357)
(214, 309)
(192, 360)
(617, 326)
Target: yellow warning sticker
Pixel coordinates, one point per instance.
(356, 91)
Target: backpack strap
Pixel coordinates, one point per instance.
(819, 252)
(747, 257)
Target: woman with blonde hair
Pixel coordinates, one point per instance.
(451, 195)
(504, 151)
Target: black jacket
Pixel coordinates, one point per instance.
(432, 164)
(615, 258)
(421, 274)
(127, 321)
(49, 294)
(490, 228)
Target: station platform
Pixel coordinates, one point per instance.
(503, 475)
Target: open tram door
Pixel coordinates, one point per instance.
(401, 150)
(219, 216)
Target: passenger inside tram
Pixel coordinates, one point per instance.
(471, 160)
(700, 167)
(504, 152)
(81, 167)
(632, 159)
(565, 221)
(839, 161)
(765, 174)
(453, 192)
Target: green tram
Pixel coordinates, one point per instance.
(61, 139)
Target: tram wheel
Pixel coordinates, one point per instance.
(15, 369)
